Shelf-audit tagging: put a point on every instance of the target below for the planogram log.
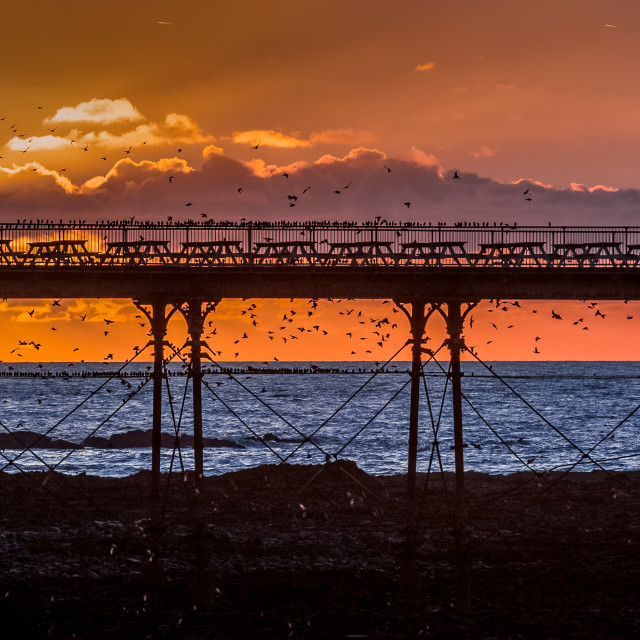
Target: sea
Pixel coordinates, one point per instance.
(580, 416)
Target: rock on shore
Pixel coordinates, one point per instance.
(127, 440)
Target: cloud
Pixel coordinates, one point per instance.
(426, 66)
(263, 170)
(127, 167)
(349, 137)
(212, 150)
(484, 152)
(20, 174)
(355, 186)
(360, 154)
(37, 143)
(176, 129)
(577, 186)
(268, 138)
(101, 111)
(279, 140)
(425, 159)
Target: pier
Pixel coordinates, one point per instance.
(426, 270)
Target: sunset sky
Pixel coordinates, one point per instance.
(101, 103)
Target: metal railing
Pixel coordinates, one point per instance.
(224, 243)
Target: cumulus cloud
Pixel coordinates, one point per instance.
(212, 150)
(176, 129)
(355, 186)
(355, 155)
(137, 171)
(101, 111)
(425, 159)
(263, 170)
(426, 66)
(37, 143)
(21, 173)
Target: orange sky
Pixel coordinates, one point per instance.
(101, 104)
(350, 328)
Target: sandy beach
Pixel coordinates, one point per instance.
(317, 552)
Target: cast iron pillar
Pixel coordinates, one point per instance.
(455, 342)
(195, 317)
(418, 320)
(158, 319)
(410, 580)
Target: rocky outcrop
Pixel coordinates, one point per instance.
(134, 439)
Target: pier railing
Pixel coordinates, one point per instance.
(318, 244)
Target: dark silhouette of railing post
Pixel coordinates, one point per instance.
(455, 342)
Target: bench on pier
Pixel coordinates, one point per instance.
(361, 253)
(434, 253)
(287, 252)
(211, 252)
(509, 254)
(632, 257)
(58, 252)
(137, 252)
(589, 253)
(7, 254)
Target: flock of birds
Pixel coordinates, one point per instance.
(591, 307)
(369, 335)
(291, 327)
(292, 200)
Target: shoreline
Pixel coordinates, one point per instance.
(320, 547)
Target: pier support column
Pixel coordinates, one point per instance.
(158, 319)
(195, 317)
(455, 342)
(410, 581)
(418, 321)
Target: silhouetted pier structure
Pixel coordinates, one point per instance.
(424, 268)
